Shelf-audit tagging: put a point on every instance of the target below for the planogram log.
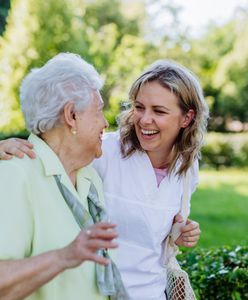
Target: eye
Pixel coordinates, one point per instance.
(161, 112)
(138, 107)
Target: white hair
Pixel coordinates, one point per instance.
(45, 91)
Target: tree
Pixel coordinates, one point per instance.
(204, 57)
(4, 8)
(231, 76)
(37, 30)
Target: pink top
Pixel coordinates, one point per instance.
(160, 174)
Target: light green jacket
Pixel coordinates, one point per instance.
(34, 218)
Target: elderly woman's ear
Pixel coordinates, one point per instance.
(69, 116)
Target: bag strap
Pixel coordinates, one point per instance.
(170, 248)
(185, 199)
(184, 211)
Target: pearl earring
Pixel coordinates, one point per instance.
(73, 131)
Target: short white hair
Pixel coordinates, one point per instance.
(45, 91)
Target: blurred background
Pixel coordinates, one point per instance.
(120, 38)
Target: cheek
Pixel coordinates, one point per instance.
(136, 117)
(162, 122)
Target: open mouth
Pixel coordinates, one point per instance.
(149, 133)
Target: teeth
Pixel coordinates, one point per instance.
(149, 131)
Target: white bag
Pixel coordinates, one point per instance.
(178, 284)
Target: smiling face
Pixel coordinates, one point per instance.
(90, 125)
(157, 120)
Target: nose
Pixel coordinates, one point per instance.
(106, 124)
(146, 118)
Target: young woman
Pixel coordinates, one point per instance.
(142, 169)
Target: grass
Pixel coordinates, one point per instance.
(220, 205)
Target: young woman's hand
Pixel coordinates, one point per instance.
(190, 233)
(15, 147)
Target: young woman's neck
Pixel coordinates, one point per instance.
(160, 160)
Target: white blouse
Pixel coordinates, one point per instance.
(143, 213)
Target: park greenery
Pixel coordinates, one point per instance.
(218, 274)
(220, 206)
(120, 39)
(218, 268)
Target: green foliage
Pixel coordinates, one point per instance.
(222, 64)
(231, 75)
(13, 63)
(218, 273)
(38, 30)
(22, 134)
(204, 57)
(112, 35)
(4, 7)
(225, 150)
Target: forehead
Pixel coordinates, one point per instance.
(153, 94)
(154, 90)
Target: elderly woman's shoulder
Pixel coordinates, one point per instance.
(15, 161)
(17, 167)
(91, 173)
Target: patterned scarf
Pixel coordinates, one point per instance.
(108, 277)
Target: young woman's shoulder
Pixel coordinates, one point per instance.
(111, 143)
(112, 137)
(110, 153)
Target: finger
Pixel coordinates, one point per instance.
(102, 234)
(27, 151)
(96, 244)
(189, 244)
(20, 151)
(190, 239)
(14, 151)
(5, 156)
(98, 259)
(24, 142)
(188, 221)
(190, 226)
(178, 219)
(193, 232)
(103, 225)
(179, 241)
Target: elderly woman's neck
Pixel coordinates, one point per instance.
(60, 143)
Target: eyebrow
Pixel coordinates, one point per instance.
(154, 106)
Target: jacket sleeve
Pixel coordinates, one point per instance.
(16, 225)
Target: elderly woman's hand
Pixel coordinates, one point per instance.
(84, 247)
(25, 276)
(190, 233)
(15, 147)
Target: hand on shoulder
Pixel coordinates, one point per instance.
(15, 147)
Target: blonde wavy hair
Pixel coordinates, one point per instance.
(184, 84)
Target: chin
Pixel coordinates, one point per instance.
(146, 147)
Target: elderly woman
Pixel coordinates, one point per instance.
(44, 202)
